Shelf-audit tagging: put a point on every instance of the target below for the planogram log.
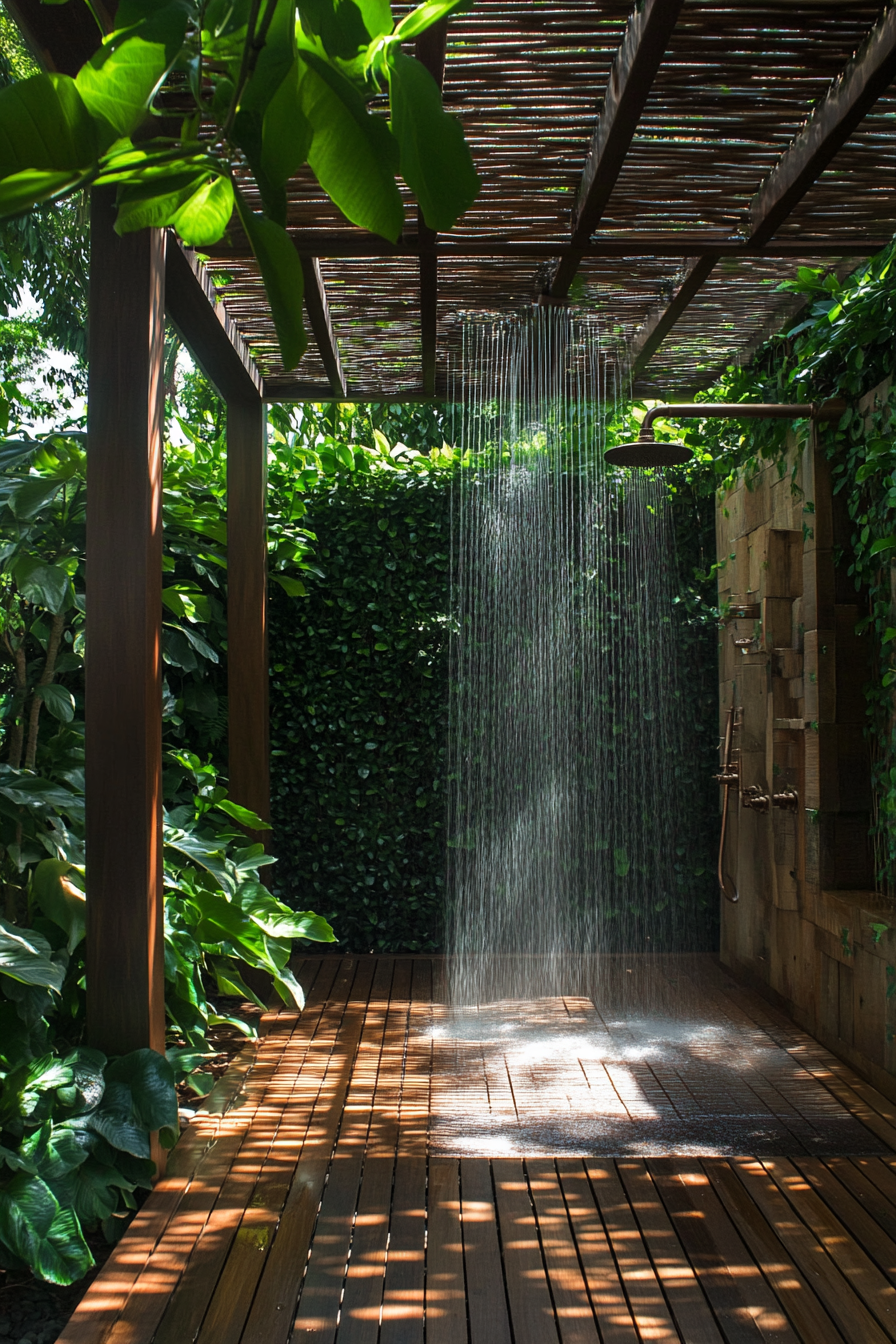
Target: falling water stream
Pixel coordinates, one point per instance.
(567, 709)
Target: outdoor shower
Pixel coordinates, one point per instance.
(645, 452)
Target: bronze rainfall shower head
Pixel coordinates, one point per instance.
(646, 452)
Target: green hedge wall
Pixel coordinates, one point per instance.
(359, 712)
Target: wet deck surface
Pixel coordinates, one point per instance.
(675, 1161)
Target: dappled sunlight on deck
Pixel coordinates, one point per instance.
(385, 1171)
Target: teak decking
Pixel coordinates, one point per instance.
(319, 1198)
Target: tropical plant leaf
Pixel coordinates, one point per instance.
(59, 701)
(46, 585)
(34, 493)
(21, 191)
(60, 900)
(157, 198)
(435, 157)
(118, 83)
(47, 1238)
(25, 955)
(341, 25)
(202, 219)
(425, 15)
(45, 127)
(150, 1079)
(281, 271)
(353, 153)
(244, 815)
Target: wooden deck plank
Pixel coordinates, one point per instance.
(305, 1202)
(486, 1298)
(792, 1289)
(403, 1290)
(605, 1289)
(148, 1264)
(531, 1310)
(867, 1231)
(849, 1313)
(673, 1268)
(745, 1306)
(346, 1110)
(317, 1317)
(315, 1104)
(446, 1295)
(866, 1279)
(359, 1320)
(642, 1288)
(572, 1305)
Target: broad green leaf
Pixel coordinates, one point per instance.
(340, 25)
(224, 922)
(47, 1238)
(60, 900)
(289, 989)
(292, 587)
(119, 82)
(435, 158)
(425, 15)
(25, 955)
(202, 219)
(45, 126)
(46, 585)
(377, 15)
(274, 61)
(353, 153)
(27, 499)
(155, 201)
(882, 544)
(230, 982)
(150, 1079)
(21, 191)
(59, 701)
(281, 271)
(244, 815)
(285, 141)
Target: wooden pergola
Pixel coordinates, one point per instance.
(664, 169)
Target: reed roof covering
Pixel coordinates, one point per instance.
(663, 168)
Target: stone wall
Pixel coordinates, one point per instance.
(802, 927)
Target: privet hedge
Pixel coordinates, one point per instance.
(359, 691)
(359, 707)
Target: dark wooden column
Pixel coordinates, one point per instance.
(125, 981)
(247, 631)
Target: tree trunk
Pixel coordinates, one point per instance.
(17, 728)
(46, 678)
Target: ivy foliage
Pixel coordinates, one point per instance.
(359, 710)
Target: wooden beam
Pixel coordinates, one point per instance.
(356, 243)
(658, 325)
(631, 80)
(247, 631)
(839, 113)
(430, 49)
(318, 310)
(123, 692)
(205, 326)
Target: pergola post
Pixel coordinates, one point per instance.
(123, 690)
(247, 632)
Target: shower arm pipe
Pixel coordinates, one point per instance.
(742, 410)
(728, 778)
